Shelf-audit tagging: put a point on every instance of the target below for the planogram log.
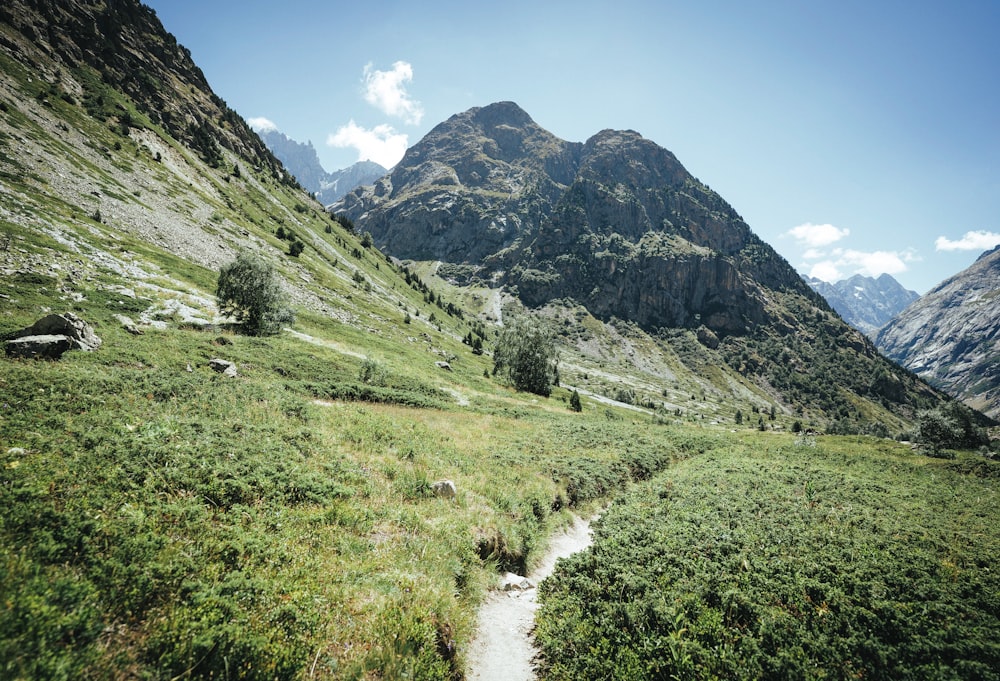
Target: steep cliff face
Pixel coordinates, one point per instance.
(636, 236)
(951, 336)
(124, 46)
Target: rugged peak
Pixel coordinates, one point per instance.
(501, 113)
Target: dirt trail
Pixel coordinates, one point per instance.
(504, 648)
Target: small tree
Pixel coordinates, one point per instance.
(526, 355)
(249, 291)
(574, 402)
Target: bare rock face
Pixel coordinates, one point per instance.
(616, 223)
(53, 335)
(951, 336)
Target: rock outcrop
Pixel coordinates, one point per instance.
(951, 336)
(53, 335)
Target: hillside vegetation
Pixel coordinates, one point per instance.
(777, 558)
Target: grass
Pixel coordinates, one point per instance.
(773, 558)
(178, 522)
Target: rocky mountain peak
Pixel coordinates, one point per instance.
(866, 303)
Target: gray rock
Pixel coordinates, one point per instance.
(79, 332)
(443, 365)
(224, 367)
(128, 324)
(443, 488)
(512, 582)
(49, 346)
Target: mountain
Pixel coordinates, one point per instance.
(951, 335)
(866, 303)
(617, 226)
(303, 162)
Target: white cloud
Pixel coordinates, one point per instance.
(843, 262)
(381, 144)
(979, 240)
(261, 124)
(385, 90)
(815, 236)
(827, 271)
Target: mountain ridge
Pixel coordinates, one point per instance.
(617, 226)
(866, 303)
(301, 159)
(951, 335)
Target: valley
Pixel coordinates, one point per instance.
(292, 518)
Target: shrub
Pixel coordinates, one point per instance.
(574, 402)
(248, 290)
(526, 355)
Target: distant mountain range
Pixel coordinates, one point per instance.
(866, 303)
(302, 161)
(951, 335)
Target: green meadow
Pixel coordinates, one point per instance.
(775, 557)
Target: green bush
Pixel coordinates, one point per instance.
(248, 290)
(525, 355)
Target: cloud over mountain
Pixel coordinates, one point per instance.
(979, 240)
(386, 91)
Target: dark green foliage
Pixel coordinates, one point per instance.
(825, 365)
(756, 563)
(249, 291)
(952, 425)
(574, 402)
(525, 355)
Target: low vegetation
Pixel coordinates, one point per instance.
(769, 557)
(184, 523)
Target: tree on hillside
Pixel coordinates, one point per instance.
(951, 425)
(574, 402)
(525, 355)
(248, 290)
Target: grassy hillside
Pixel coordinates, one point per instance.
(168, 521)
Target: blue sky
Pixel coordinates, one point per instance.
(854, 137)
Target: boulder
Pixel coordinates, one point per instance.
(53, 335)
(443, 488)
(50, 346)
(223, 366)
(79, 332)
(443, 365)
(513, 582)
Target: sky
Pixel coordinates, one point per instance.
(855, 137)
